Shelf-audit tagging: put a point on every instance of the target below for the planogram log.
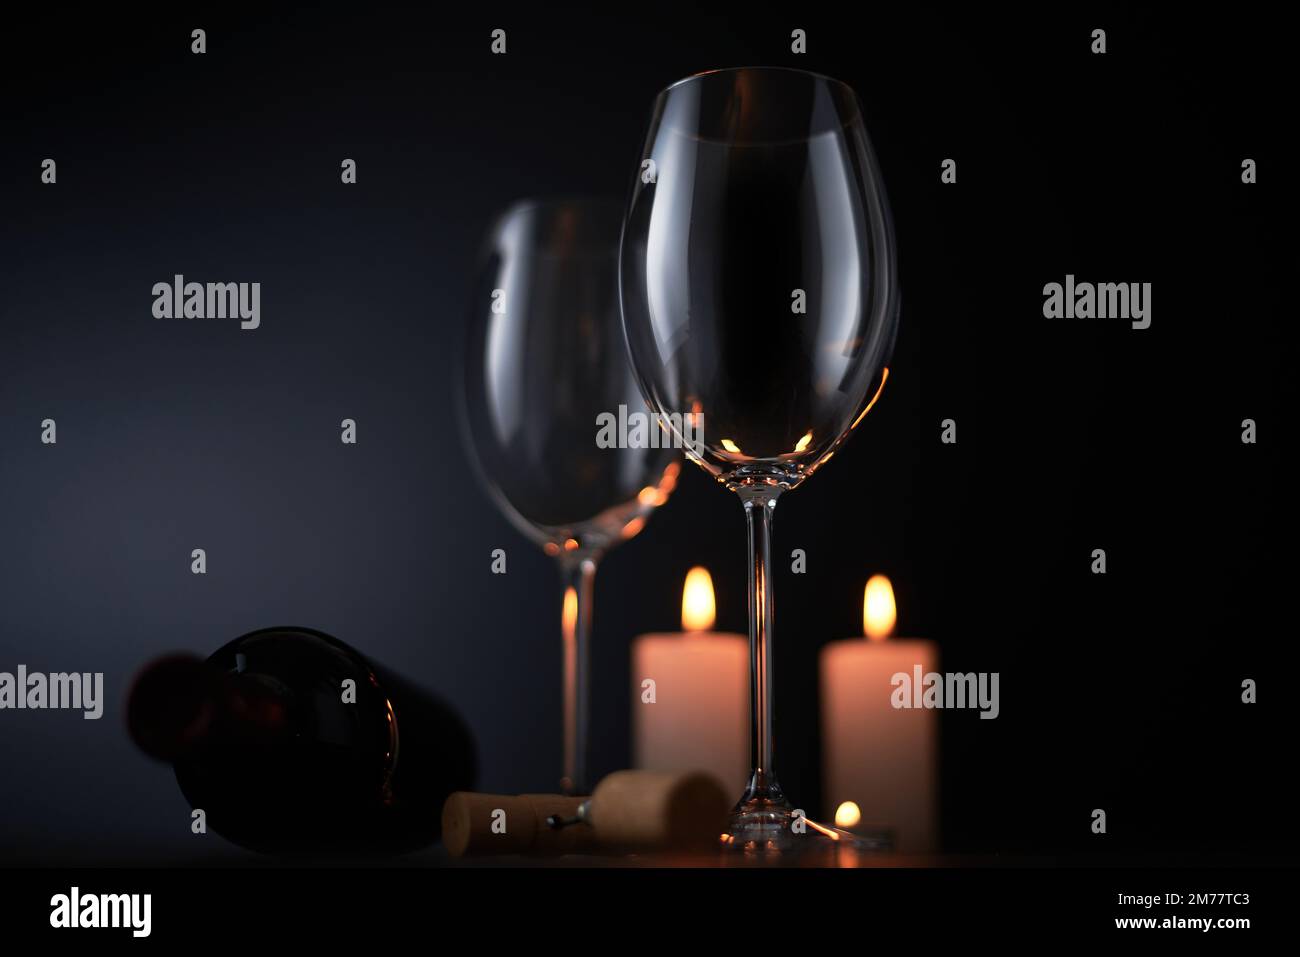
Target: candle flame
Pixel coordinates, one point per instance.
(847, 815)
(698, 609)
(804, 441)
(878, 610)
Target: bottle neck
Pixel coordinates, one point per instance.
(179, 703)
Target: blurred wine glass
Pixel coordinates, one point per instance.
(545, 359)
(760, 293)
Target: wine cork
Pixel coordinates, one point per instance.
(659, 811)
(478, 824)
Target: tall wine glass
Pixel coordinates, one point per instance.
(759, 291)
(545, 358)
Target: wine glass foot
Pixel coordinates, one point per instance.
(761, 825)
(766, 829)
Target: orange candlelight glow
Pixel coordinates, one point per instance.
(652, 496)
(879, 389)
(698, 608)
(822, 829)
(569, 613)
(569, 630)
(878, 610)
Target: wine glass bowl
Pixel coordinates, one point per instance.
(758, 269)
(759, 291)
(545, 359)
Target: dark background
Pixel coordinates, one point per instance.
(1119, 691)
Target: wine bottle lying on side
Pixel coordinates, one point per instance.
(293, 743)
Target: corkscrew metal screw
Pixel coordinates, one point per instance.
(555, 822)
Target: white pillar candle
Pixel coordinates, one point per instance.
(690, 694)
(883, 759)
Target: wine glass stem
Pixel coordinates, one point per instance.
(579, 573)
(760, 504)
